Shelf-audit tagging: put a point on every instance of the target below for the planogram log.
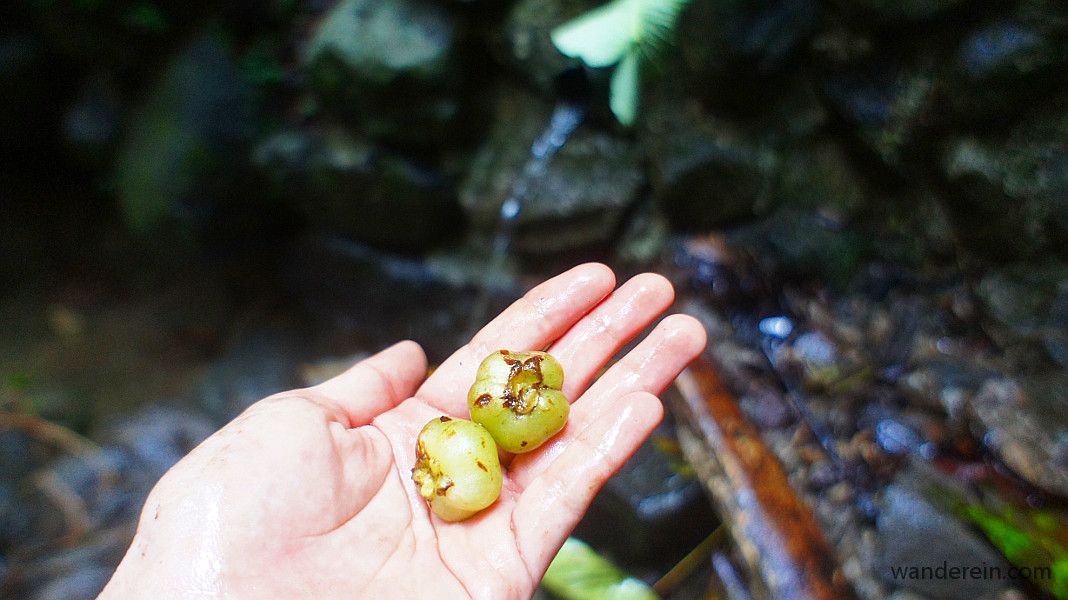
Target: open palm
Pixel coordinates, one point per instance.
(309, 493)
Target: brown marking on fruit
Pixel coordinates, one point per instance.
(444, 419)
(523, 444)
(483, 400)
(481, 466)
(443, 488)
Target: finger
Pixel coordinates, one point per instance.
(595, 339)
(650, 367)
(551, 506)
(376, 384)
(533, 322)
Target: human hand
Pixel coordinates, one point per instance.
(309, 493)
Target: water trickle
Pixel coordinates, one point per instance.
(564, 121)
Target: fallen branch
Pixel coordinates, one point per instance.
(776, 532)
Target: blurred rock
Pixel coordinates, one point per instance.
(256, 364)
(1021, 302)
(390, 68)
(942, 385)
(523, 41)
(152, 440)
(580, 199)
(723, 274)
(351, 187)
(1026, 424)
(808, 243)
(93, 124)
(738, 56)
(707, 172)
(887, 102)
(177, 168)
(905, 10)
(766, 34)
(383, 41)
(1010, 60)
(766, 408)
(916, 534)
(821, 175)
(1004, 45)
(1055, 332)
(80, 584)
(1026, 169)
(896, 437)
(377, 298)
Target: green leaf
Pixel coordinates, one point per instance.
(600, 37)
(624, 89)
(579, 573)
(1028, 540)
(658, 19)
(628, 32)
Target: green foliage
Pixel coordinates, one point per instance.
(579, 573)
(629, 33)
(1034, 539)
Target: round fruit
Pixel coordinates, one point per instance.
(456, 469)
(517, 397)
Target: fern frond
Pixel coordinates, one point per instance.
(658, 25)
(624, 89)
(628, 32)
(602, 36)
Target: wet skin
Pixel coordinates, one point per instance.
(309, 493)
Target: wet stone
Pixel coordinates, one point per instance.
(180, 153)
(895, 437)
(707, 172)
(886, 102)
(1023, 168)
(915, 534)
(806, 242)
(1004, 44)
(1026, 424)
(153, 439)
(580, 195)
(766, 408)
(942, 385)
(907, 10)
(383, 297)
(726, 277)
(1008, 61)
(352, 187)
(1021, 301)
(822, 475)
(1055, 332)
(80, 584)
(389, 68)
(524, 41)
(255, 364)
(383, 41)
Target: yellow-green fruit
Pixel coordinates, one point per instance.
(456, 468)
(517, 397)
